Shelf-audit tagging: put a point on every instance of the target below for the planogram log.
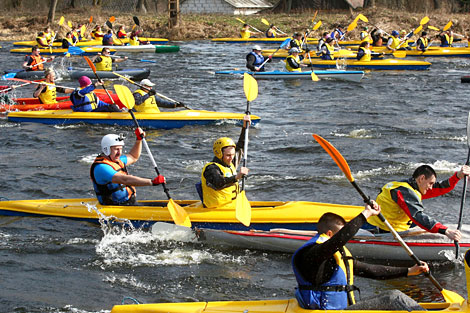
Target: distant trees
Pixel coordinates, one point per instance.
(51, 15)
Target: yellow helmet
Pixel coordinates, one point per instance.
(221, 143)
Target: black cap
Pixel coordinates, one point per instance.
(424, 33)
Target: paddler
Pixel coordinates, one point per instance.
(271, 31)
(328, 49)
(322, 41)
(50, 35)
(219, 178)
(121, 34)
(108, 38)
(47, 93)
(35, 62)
(338, 33)
(394, 41)
(41, 40)
(423, 42)
(146, 100)
(404, 41)
(377, 37)
(402, 205)
(446, 38)
(134, 38)
(96, 33)
(112, 182)
(293, 61)
(296, 41)
(364, 35)
(67, 41)
(364, 53)
(255, 60)
(245, 32)
(104, 62)
(324, 269)
(84, 98)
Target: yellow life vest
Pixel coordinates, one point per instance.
(148, 106)
(49, 36)
(106, 64)
(70, 40)
(289, 68)
(41, 41)
(48, 96)
(404, 43)
(220, 198)
(395, 42)
(245, 34)
(367, 55)
(134, 41)
(391, 210)
(449, 39)
(331, 50)
(96, 34)
(425, 41)
(365, 36)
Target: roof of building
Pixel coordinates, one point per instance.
(249, 3)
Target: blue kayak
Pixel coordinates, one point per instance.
(354, 76)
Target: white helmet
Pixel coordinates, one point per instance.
(257, 47)
(109, 141)
(294, 49)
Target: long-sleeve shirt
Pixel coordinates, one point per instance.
(162, 103)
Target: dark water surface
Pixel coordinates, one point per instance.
(384, 126)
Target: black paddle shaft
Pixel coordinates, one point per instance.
(462, 205)
(245, 148)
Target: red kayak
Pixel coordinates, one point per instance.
(63, 103)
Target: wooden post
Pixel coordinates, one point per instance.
(173, 11)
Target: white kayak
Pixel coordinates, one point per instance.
(365, 245)
(354, 76)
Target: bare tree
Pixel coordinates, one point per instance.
(97, 3)
(17, 3)
(140, 7)
(51, 15)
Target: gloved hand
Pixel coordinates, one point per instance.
(160, 179)
(140, 134)
(152, 92)
(270, 57)
(179, 104)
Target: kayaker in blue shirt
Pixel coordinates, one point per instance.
(85, 100)
(324, 269)
(111, 181)
(108, 38)
(255, 59)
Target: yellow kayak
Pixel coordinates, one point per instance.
(59, 51)
(432, 52)
(84, 43)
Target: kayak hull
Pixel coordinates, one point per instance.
(260, 306)
(162, 120)
(75, 73)
(460, 52)
(265, 214)
(144, 48)
(85, 43)
(354, 76)
(385, 64)
(88, 51)
(277, 40)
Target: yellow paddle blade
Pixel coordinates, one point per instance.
(342, 53)
(67, 55)
(399, 54)
(124, 77)
(424, 20)
(178, 214)
(243, 209)
(466, 259)
(452, 297)
(240, 20)
(335, 155)
(448, 25)
(265, 21)
(352, 26)
(250, 86)
(83, 30)
(418, 29)
(314, 76)
(125, 95)
(69, 24)
(61, 20)
(317, 25)
(112, 19)
(363, 18)
(433, 28)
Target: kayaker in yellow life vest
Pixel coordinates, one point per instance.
(134, 39)
(35, 62)
(47, 93)
(296, 41)
(364, 35)
(363, 53)
(104, 61)
(423, 42)
(219, 178)
(96, 33)
(394, 41)
(271, 31)
(401, 201)
(67, 41)
(293, 61)
(245, 32)
(41, 40)
(112, 182)
(146, 100)
(50, 35)
(446, 38)
(404, 40)
(328, 49)
(324, 269)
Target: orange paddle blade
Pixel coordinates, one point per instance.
(335, 155)
(112, 19)
(90, 63)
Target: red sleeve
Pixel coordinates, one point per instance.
(442, 187)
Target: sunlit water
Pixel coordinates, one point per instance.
(384, 126)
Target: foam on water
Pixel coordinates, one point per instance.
(88, 159)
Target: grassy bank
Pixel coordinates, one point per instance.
(192, 27)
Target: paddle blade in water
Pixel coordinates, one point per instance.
(243, 209)
(125, 95)
(448, 25)
(317, 25)
(314, 76)
(336, 156)
(424, 20)
(250, 86)
(178, 214)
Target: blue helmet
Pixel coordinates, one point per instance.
(395, 33)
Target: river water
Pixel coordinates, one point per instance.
(384, 126)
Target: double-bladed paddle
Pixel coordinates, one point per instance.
(178, 214)
(243, 22)
(79, 51)
(464, 191)
(265, 22)
(449, 296)
(92, 66)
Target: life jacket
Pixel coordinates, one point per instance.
(224, 197)
(330, 50)
(447, 41)
(337, 292)
(111, 193)
(148, 106)
(245, 34)
(42, 42)
(121, 34)
(49, 36)
(365, 36)
(106, 64)
(96, 34)
(340, 33)
(134, 41)
(404, 43)
(297, 43)
(391, 210)
(424, 42)
(291, 69)
(271, 33)
(259, 59)
(36, 60)
(48, 96)
(76, 37)
(367, 54)
(87, 103)
(395, 42)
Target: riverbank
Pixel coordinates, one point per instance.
(207, 26)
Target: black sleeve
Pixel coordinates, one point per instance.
(377, 271)
(292, 63)
(60, 89)
(98, 60)
(250, 60)
(215, 179)
(65, 44)
(139, 99)
(360, 54)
